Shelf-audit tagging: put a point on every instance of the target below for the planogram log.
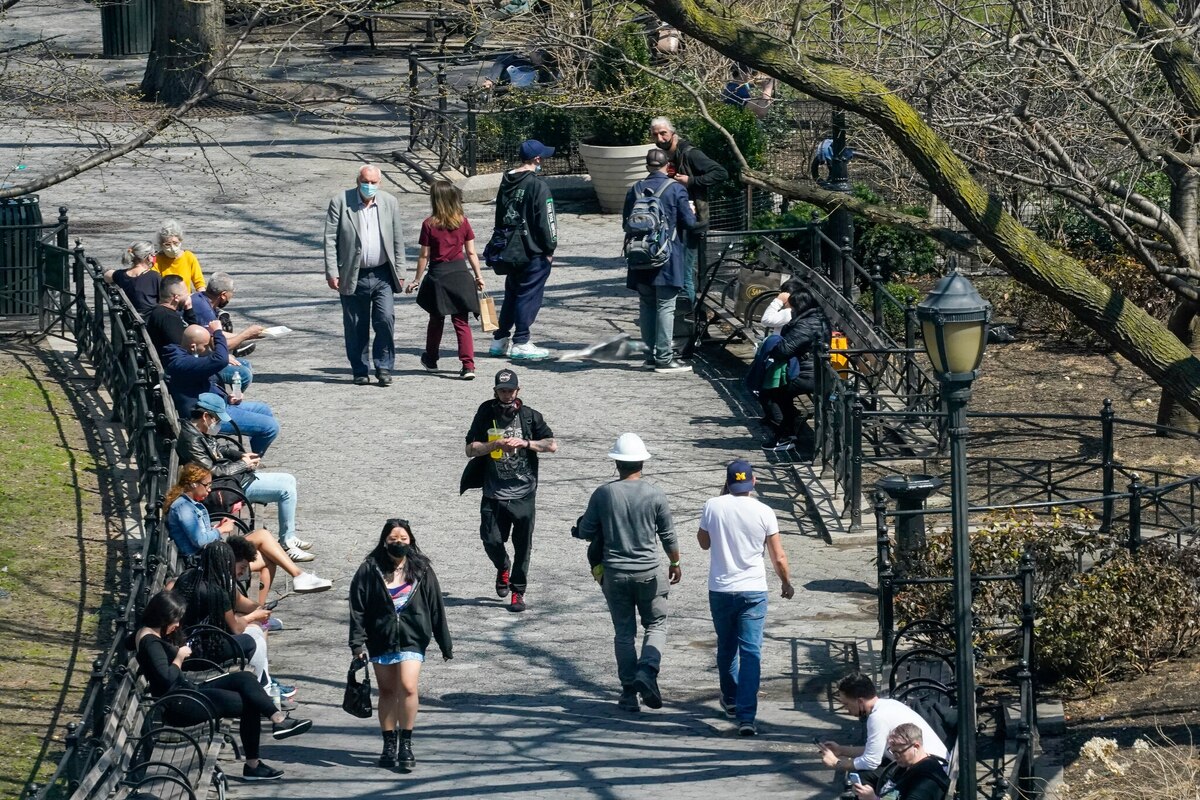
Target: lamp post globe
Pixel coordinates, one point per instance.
(954, 321)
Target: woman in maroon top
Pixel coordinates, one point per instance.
(449, 287)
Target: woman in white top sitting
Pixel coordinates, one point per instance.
(778, 313)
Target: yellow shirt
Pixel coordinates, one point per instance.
(185, 266)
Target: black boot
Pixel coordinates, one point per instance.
(388, 759)
(405, 760)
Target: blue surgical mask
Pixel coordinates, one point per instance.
(537, 168)
(367, 190)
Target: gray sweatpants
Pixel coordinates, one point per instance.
(630, 595)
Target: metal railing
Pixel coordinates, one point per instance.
(112, 337)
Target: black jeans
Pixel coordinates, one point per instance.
(235, 694)
(499, 519)
(779, 408)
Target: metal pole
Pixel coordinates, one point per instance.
(1108, 462)
(957, 394)
(886, 575)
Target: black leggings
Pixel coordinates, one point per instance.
(779, 408)
(236, 694)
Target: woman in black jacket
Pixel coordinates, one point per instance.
(395, 609)
(807, 329)
(160, 656)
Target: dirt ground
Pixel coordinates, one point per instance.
(1160, 706)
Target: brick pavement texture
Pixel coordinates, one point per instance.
(527, 708)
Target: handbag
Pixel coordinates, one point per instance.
(488, 319)
(357, 698)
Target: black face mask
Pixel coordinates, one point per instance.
(397, 549)
(665, 145)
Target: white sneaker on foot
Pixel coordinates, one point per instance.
(500, 348)
(306, 582)
(528, 351)
(303, 545)
(300, 556)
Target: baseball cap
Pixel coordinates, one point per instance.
(213, 404)
(506, 379)
(532, 148)
(739, 477)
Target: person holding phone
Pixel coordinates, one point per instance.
(161, 654)
(395, 611)
(913, 774)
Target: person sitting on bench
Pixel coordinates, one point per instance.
(161, 653)
(913, 774)
(856, 692)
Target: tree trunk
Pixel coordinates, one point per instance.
(1182, 322)
(188, 38)
(1143, 340)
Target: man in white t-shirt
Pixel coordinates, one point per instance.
(736, 528)
(856, 692)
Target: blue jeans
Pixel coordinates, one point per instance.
(278, 488)
(245, 370)
(256, 420)
(523, 300)
(656, 318)
(738, 618)
(371, 306)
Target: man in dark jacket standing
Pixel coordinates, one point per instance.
(697, 172)
(659, 287)
(524, 200)
(504, 441)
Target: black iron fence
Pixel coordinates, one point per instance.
(112, 337)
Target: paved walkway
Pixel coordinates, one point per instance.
(527, 706)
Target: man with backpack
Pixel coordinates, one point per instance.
(656, 208)
(522, 249)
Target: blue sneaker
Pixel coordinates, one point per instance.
(273, 625)
(284, 689)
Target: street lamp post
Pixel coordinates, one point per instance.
(954, 321)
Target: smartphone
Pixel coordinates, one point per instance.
(271, 605)
(817, 742)
(854, 778)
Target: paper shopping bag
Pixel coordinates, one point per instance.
(488, 319)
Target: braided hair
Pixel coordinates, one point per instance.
(211, 582)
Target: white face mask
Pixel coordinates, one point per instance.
(172, 252)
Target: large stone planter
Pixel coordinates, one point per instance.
(613, 171)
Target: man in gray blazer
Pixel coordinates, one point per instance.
(364, 263)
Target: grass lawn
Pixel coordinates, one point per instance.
(54, 564)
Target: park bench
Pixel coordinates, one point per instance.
(369, 19)
(142, 754)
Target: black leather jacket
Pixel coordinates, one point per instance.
(220, 457)
(800, 337)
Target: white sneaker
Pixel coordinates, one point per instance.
(299, 556)
(303, 545)
(306, 582)
(528, 352)
(500, 348)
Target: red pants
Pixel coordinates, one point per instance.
(462, 330)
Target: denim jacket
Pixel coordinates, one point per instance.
(189, 526)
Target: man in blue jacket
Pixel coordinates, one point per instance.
(192, 368)
(659, 287)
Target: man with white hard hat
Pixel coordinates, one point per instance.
(633, 519)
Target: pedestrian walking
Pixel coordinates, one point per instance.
(698, 173)
(524, 203)
(453, 282)
(633, 518)
(807, 329)
(736, 528)
(504, 441)
(364, 264)
(395, 611)
(656, 213)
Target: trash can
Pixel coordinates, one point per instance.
(20, 278)
(126, 27)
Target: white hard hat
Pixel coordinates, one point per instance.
(629, 447)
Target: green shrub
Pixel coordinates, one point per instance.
(893, 317)
(897, 251)
(1124, 613)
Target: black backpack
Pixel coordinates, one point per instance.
(505, 252)
(648, 233)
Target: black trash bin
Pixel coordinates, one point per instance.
(20, 278)
(126, 27)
